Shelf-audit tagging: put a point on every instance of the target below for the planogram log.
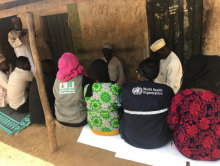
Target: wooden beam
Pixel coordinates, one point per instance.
(38, 73)
(40, 5)
(4, 1)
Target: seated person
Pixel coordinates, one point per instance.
(4, 67)
(101, 98)
(170, 65)
(146, 105)
(112, 60)
(194, 112)
(36, 109)
(70, 105)
(18, 85)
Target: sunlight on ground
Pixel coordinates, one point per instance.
(10, 156)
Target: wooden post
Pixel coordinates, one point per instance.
(38, 73)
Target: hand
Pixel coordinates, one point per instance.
(22, 34)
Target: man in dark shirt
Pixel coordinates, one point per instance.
(146, 105)
(35, 106)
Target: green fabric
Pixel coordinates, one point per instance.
(102, 107)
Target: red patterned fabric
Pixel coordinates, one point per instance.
(194, 118)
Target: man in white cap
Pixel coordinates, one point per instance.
(170, 65)
(19, 40)
(112, 60)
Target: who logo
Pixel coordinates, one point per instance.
(137, 91)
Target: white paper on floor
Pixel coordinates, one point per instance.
(155, 157)
(178, 156)
(110, 143)
(164, 156)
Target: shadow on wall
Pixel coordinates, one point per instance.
(119, 50)
(122, 24)
(5, 47)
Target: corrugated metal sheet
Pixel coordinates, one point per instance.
(179, 22)
(59, 35)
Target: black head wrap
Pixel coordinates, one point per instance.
(149, 69)
(48, 66)
(98, 71)
(203, 72)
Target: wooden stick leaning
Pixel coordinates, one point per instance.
(38, 73)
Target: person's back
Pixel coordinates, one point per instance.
(194, 112)
(194, 117)
(101, 98)
(18, 85)
(103, 117)
(146, 105)
(36, 109)
(70, 105)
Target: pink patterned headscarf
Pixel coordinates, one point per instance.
(69, 67)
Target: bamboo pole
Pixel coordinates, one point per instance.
(38, 73)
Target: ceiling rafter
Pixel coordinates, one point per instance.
(37, 6)
(5, 1)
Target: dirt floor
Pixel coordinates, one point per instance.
(30, 148)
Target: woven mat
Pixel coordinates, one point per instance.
(13, 122)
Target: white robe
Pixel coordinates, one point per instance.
(116, 62)
(170, 72)
(3, 89)
(21, 47)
